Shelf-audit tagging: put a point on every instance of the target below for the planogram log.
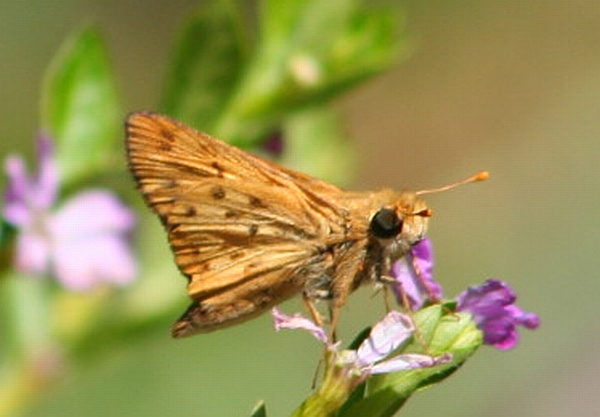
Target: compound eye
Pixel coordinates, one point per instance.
(386, 224)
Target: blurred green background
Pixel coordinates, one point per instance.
(509, 86)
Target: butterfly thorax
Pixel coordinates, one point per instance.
(380, 228)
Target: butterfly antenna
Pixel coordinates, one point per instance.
(480, 176)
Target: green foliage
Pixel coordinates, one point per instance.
(239, 87)
(260, 410)
(80, 107)
(208, 60)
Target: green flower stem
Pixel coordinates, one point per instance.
(25, 343)
(338, 383)
(25, 315)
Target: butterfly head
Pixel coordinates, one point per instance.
(400, 220)
(401, 224)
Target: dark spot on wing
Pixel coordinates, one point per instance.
(231, 213)
(218, 192)
(167, 134)
(256, 202)
(191, 211)
(253, 230)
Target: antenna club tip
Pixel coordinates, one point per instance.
(482, 176)
(425, 213)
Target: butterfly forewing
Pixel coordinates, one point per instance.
(248, 233)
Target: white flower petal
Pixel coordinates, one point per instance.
(297, 321)
(386, 336)
(409, 361)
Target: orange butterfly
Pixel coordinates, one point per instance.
(249, 233)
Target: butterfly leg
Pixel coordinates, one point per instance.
(346, 279)
(312, 309)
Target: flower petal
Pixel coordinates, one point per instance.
(414, 275)
(32, 253)
(92, 212)
(492, 307)
(16, 210)
(89, 235)
(27, 196)
(81, 265)
(385, 337)
(297, 321)
(410, 361)
(422, 253)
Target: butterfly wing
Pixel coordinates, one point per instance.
(247, 232)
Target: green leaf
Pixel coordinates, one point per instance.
(260, 410)
(309, 51)
(439, 331)
(208, 60)
(80, 106)
(348, 39)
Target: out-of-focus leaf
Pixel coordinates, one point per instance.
(309, 51)
(80, 106)
(260, 410)
(208, 59)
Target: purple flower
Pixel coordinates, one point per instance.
(274, 144)
(491, 304)
(414, 276)
(492, 307)
(82, 243)
(385, 337)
